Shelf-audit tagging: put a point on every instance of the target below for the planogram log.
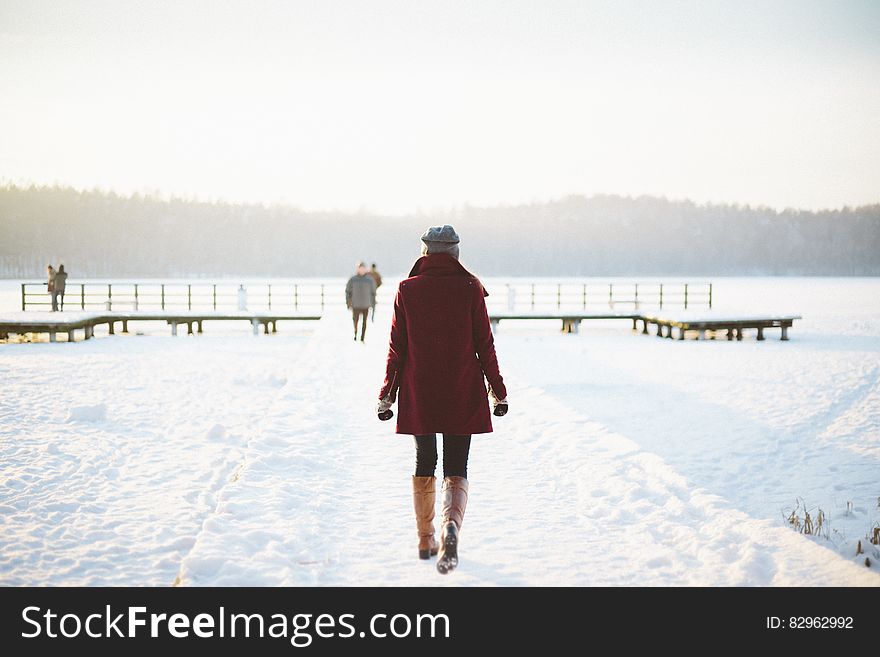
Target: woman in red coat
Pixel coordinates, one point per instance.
(441, 349)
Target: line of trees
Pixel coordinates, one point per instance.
(104, 234)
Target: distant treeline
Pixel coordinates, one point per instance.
(101, 234)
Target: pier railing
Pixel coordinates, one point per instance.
(307, 297)
(569, 296)
(314, 297)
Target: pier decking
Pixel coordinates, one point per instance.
(701, 324)
(69, 323)
(55, 323)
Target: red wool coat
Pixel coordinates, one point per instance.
(441, 348)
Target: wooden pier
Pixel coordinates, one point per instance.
(571, 321)
(192, 304)
(700, 325)
(732, 325)
(69, 323)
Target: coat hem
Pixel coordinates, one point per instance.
(453, 433)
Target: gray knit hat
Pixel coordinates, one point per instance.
(440, 239)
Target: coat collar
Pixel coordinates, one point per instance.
(442, 264)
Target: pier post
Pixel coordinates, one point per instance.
(760, 332)
(739, 333)
(784, 333)
(173, 328)
(70, 336)
(644, 326)
(111, 325)
(51, 336)
(659, 330)
(189, 328)
(255, 324)
(200, 326)
(702, 334)
(266, 328)
(125, 326)
(730, 334)
(274, 326)
(680, 332)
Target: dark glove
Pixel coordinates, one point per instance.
(384, 409)
(499, 406)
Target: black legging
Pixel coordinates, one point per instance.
(455, 455)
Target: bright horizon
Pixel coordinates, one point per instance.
(396, 107)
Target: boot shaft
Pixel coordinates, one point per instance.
(455, 495)
(424, 501)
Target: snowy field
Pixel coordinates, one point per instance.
(625, 459)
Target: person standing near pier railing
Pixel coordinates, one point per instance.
(60, 284)
(50, 286)
(440, 351)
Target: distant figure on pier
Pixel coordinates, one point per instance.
(440, 356)
(50, 284)
(242, 298)
(60, 283)
(360, 296)
(378, 278)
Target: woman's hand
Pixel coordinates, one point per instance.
(384, 409)
(499, 406)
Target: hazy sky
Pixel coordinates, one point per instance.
(394, 106)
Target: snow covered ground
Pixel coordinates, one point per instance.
(112, 451)
(625, 459)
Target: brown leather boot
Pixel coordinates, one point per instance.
(455, 494)
(424, 498)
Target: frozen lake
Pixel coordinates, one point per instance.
(625, 459)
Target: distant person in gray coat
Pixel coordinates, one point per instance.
(60, 283)
(360, 296)
(50, 285)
